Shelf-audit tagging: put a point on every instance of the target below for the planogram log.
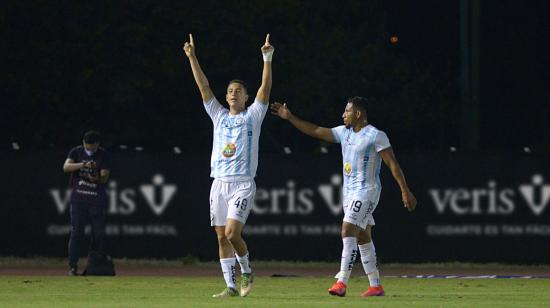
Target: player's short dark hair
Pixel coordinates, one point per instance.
(241, 82)
(359, 103)
(92, 137)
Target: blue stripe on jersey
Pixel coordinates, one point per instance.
(250, 133)
(378, 173)
(216, 145)
(347, 140)
(236, 163)
(366, 154)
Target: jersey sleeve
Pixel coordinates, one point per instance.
(73, 155)
(258, 111)
(338, 133)
(382, 142)
(214, 109)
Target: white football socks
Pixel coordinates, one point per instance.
(368, 258)
(245, 264)
(349, 253)
(228, 269)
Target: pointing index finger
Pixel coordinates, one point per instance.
(191, 41)
(267, 39)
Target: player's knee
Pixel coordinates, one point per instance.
(223, 241)
(347, 233)
(221, 236)
(232, 235)
(363, 239)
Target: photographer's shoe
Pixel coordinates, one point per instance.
(73, 271)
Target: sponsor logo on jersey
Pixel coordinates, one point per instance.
(229, 149)
(347, 168)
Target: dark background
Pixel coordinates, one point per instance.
(29, 211)
(117, 66)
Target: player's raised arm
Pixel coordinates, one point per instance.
(265, 88)
(409, 201)
(200, 78)
(305, 127)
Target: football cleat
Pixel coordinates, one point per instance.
(373, 291)
(227, 292)
(246, 283)
(338, 289)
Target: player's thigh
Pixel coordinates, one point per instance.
(365, 235)
(358, 211)
(241, 198)
(233, 228)
(218, 203)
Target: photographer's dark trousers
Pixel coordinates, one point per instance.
(82, 214)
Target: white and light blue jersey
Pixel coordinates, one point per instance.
(236, 140)
(361, 161)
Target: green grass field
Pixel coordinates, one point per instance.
(39, 291)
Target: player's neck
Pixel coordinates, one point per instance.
(235, 111)
(359, 126)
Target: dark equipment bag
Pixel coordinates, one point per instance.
(99, 264)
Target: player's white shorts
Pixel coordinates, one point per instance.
(231, 200)
(358, 211)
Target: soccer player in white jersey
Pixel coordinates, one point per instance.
(364, 147)
(233, 164)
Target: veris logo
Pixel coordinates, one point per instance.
(492, 199)
(289, 200)
(157, 195)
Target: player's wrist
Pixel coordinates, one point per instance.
(290, 117)
(268, 55)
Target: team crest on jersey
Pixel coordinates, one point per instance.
(347, 168)
(229, 149)
(228, 122)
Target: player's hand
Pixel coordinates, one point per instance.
(409, 201)
(267, 49)
(189, 47)
(280, 110)
(89, 164)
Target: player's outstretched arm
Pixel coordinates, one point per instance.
(313, 130)
(263, 92)
(409, 201)
(200, 78)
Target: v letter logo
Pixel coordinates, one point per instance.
(332, 194)
(528, 192)
(167, 192)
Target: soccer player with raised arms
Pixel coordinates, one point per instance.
(233, 163)
(364, 147)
